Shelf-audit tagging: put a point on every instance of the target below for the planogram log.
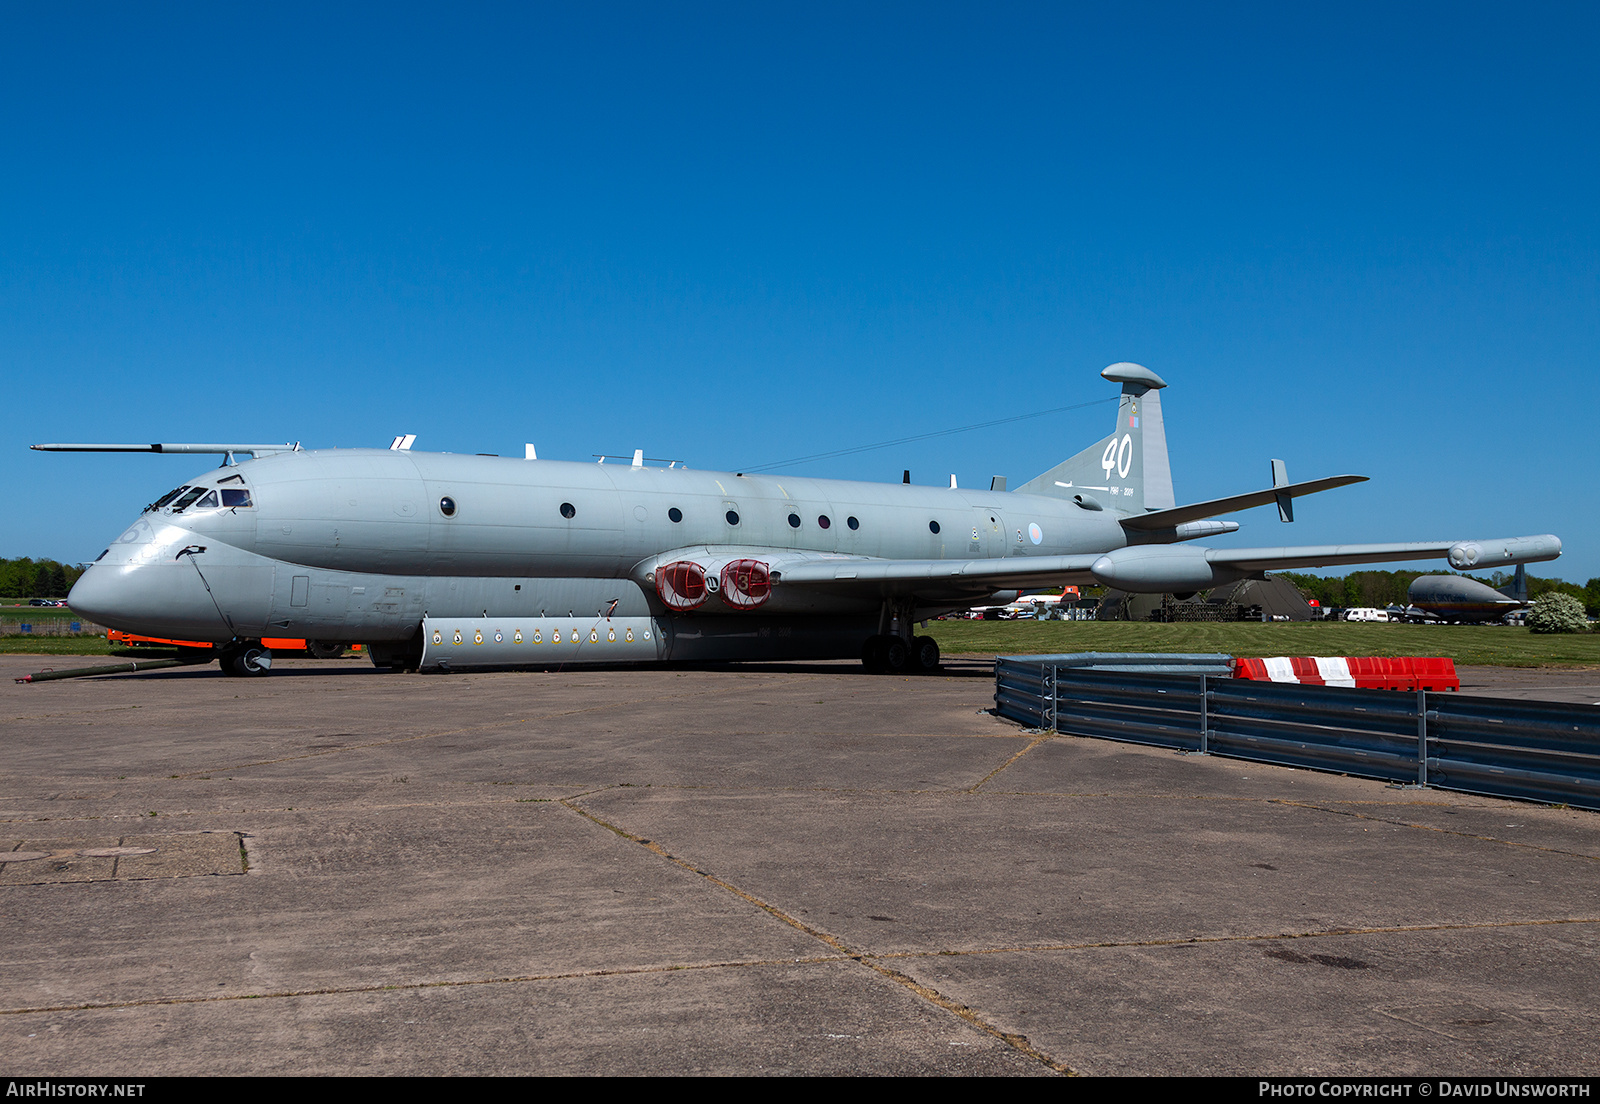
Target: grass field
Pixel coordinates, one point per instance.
(38, 613)
(1494, 646)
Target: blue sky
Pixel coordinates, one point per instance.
(1362, 238)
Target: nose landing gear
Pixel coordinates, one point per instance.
(245, 659)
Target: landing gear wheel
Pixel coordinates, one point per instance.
(925, 653)
(896, 655)
(324, 649)
(250, 659)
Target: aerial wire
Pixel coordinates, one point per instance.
(929, 436)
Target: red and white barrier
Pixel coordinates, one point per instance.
(1365, 672)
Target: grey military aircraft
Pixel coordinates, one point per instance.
(446, 561)
(1457, 598)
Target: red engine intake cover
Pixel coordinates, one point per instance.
(682, 585)
(746, 584)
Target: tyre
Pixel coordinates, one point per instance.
(896, 655)
(251, 659)
(324, 649)
(925, 653)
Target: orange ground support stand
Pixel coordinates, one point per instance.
(280, 643)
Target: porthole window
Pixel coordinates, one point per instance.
(794, 521)
(823, 522)
(852, 522)
(447, 506)
(933, 526)
(675, 514)
(568, 510)
(733, 517)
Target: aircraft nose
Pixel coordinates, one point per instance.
(145, 589)
(90, 597)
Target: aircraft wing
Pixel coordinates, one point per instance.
(1151, 569)
(937, 576)
(1166, 519)
(1462, 554)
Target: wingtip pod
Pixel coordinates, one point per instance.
(1466, 555)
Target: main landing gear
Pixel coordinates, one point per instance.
(245, 658)
(894, 651)
(891, 655)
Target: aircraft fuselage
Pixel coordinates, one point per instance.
(361, 545)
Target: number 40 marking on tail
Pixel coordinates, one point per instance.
(1118, 455)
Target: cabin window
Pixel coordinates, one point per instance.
(568, 511)
(823, 522)
(794, 521)
(447, 506)
(933, 526)
(235, 496)
(675, 514)
(733, 517)
(852, 522)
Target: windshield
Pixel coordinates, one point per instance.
(187, 497)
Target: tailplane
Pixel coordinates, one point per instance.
(1128, 471)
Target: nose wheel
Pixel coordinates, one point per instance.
(246, 659)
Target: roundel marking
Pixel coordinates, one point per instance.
(1035, 534)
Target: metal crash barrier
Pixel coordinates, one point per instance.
(1536, 751)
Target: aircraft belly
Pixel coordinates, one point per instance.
(752, 636)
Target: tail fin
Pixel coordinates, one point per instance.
(1127, 471)
(1518, 587)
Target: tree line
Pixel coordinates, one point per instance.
(1386, 588)
(27, 578)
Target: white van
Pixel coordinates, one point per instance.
(1366, 613)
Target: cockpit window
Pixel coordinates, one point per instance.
(186, 499)
(235, 496)
(166, 498)
(207, 502)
